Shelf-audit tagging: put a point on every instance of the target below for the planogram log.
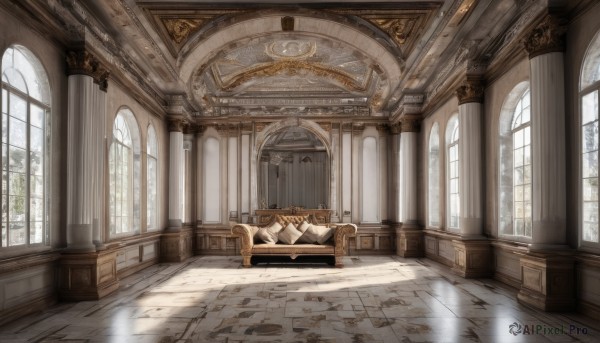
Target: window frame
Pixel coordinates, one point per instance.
(506, 162)
(432, 198)
(149, 157)
(453, 124)
(589, 82)
(43, 103)
(131, 124)
(587, 245)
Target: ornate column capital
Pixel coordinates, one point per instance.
(470, 91)
(410, 124)
(546, 37)
(82, 62)
(175, 124)
(395, 128)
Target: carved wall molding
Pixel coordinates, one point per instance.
(546, 37)
(179, 29)
(470, 91)
(325, 126)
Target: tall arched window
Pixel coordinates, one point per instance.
(25, 153)
(452, 186)
(515, 212)
(124, 175)
(433, 192)
(152, 176)
(589, 89)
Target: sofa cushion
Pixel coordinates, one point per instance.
(303, 227)
(316, 234)
(268, 234)
(289, 235)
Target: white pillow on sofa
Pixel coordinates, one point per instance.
(316, 234)
(268, 234)
(289, 235)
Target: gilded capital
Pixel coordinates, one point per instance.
(546, 37)
(410, 124)
(175, 124)
(82, 62)
(470, 91)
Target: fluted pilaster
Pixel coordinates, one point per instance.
(470, 97)
(175, 172)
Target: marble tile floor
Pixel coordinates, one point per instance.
(373, 299)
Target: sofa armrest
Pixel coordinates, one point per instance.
(339, 238)
(245, 233)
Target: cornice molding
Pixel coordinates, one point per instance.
(547, 36)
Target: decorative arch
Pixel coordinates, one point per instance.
(262, 136)
(590, 69)
(260, 187)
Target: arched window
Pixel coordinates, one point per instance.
(25, 151)
(452, 187)
(515, 212)
(433, 193)
(589, 89)
(152, 176)
(124, 175)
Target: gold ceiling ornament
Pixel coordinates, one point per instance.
(180, 29)
(292, 68)
(399, 29)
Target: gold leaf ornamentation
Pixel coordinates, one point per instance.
(180, 29)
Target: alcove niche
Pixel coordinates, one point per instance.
(293, 170)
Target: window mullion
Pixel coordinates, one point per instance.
(28, 175)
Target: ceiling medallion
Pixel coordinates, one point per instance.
(180, 29)
(291, 49)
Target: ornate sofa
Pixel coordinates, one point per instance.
(334, 246)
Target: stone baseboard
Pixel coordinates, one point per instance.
(472, 258)
(87, 276)
(548, 281)
(177, 246)
(409, 241)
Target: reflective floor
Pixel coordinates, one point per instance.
(373, 299)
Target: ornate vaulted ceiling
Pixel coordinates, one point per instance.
(336, 59)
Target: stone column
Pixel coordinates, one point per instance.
(84, 154)
(548, 269)
(472, 253)
(175, 172)
(85, 273)
(409, 237)
(395, 211)
(177, 242)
